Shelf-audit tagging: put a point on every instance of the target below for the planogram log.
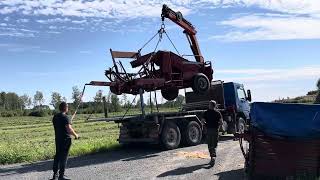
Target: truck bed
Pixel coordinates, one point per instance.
(147, 117)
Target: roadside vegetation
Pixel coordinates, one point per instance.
(29, 139)
(312, 97)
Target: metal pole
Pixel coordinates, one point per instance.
(105, 107)
(150, 103)
(141, 101)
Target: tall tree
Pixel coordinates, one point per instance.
(115, 103)
(76, 95)
(38, 99)
(13, 101)
(3, 100)
(98, 101)
(317, 101)
(25, 101)
(98, 97)
(56, 99)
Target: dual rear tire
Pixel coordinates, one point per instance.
(171, 135)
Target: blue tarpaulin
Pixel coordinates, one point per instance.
(287, 120)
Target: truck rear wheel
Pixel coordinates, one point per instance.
(193, 134)
(200, 83)
(170, 136)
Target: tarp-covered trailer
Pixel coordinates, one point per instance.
(284, 141)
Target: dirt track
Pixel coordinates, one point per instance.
(143, 163)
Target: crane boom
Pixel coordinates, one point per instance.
(189, 30)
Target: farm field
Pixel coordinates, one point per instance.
(29, 139)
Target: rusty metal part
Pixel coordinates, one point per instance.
(159, 70)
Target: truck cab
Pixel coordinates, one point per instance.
(232, 100)
(236, 96)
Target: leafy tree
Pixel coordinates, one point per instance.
(26, 101)
(317, 101)
(76, 95)
(115, 103)
(97, 101)
(3, 100)
(98, 97)
(56, 99)
(13, 101)
(124, 99)
(38, 99)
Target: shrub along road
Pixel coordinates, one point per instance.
(142, 162)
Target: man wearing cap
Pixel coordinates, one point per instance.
(63, 131)
(213, 119)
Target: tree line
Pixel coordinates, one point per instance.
(11, 104)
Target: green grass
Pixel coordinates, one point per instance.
(29, 139)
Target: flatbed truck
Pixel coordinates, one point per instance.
(186, 126)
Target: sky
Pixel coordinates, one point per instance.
(270, 46)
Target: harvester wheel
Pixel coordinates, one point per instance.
(170, 136)
(200, 83)
(170, 94)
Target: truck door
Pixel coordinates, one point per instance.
(242, 103)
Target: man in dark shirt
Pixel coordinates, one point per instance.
(213, 119)
(63, 131)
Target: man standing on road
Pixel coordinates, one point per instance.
(213, 119)
(63, 131)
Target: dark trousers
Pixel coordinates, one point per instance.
(60, 159)
(212, 140)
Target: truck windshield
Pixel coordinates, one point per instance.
(241, 93)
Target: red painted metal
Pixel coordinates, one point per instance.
(189, 30)
(161, 70)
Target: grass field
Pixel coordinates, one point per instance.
(29, 139)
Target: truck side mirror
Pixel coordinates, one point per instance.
(249, 95)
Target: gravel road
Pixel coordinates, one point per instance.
(143, 162)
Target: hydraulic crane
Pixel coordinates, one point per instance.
(161, 70)
(189, 30)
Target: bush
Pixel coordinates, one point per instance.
(10, 113)
(7, 114)
(40, 113)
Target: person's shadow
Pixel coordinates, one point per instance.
(237, 174)
(184, 170)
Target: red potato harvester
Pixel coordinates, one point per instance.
(161, 70)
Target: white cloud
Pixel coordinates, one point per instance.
(262, 75)
(19, 48)
(86, 52)
(292, 19)
(53, 20)
(311, 7)
(47, 51)
(53, 32)
(79, 21)
(23, 20)
(96, 8)
(271, 27)
(271, 84)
